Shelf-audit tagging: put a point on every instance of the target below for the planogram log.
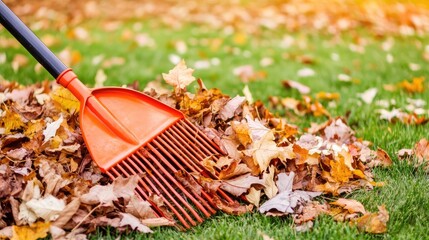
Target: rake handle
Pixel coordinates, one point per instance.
(30, 41)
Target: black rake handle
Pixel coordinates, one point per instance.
(30, 41)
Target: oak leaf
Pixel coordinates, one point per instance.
(180, 76)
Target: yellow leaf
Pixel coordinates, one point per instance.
(12, 121)
(33, 127)
(66, 100)
(180, 76)
(327, 96)
(34, 231)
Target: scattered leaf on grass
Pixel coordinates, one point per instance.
(373, 222)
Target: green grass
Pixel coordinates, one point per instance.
(406, 192)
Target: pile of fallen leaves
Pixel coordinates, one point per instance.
(49, 184)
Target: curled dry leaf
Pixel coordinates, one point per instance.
(351, 205)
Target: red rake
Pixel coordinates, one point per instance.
(128, 132)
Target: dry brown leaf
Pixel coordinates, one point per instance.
(254, 196)
(270, 188)
(67, 213)
(421, 150)
(234, 208)
(188, 181)
(133, 222)
(139, 208)
(373, 222)
(242, 132)
(239, 185)
(233, 170)
(383, 159)
(351, 205)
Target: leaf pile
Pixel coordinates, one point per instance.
(50, 185)
(268, 162)
(48, 182)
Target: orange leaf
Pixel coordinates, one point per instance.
(339, 171)
(415, 86)
(373, 222)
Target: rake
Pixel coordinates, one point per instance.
(128, 132)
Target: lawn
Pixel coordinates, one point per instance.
(274, 55)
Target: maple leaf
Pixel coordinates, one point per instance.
(264, 150)
(180, 76)
(233, 208)
(369, 95)
(99, 194)
(34, 231)
(188, 181)
(339, 171)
